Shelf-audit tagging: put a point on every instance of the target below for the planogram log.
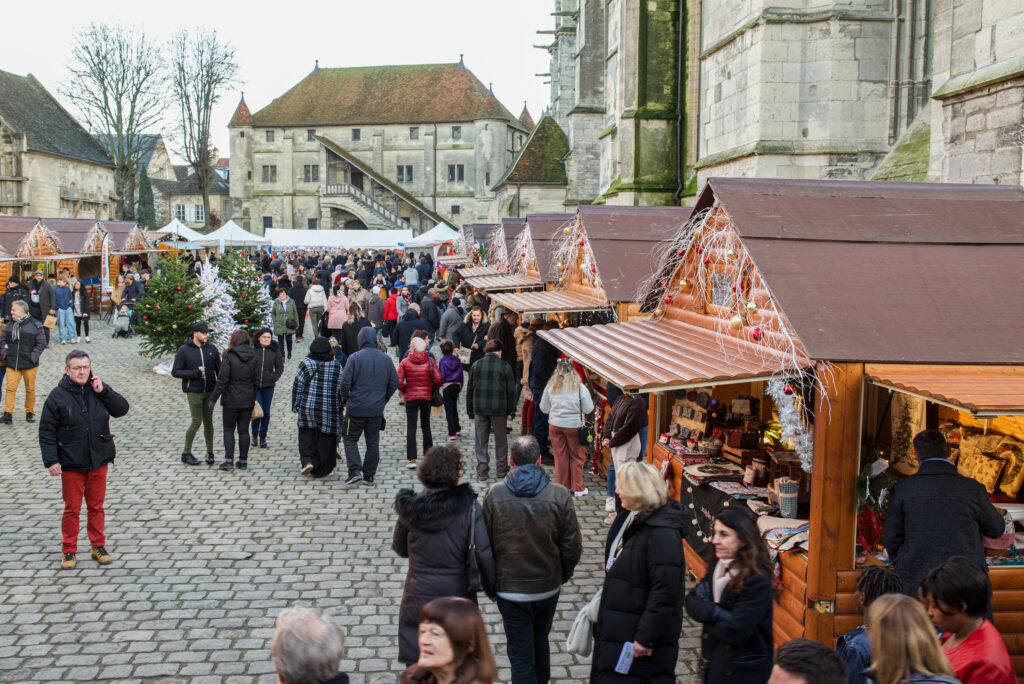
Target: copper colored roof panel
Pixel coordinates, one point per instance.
(982, 390)
(455, 259)
(12, 231)
(476, 271)
(503, 282)
(655, 355)
(625, 243)
(545, 230)
(549, 301)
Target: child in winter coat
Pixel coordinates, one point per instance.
(451, 387)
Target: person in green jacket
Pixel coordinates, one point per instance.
(285, 319)
(491, 403)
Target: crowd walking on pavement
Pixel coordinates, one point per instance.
(392, 325)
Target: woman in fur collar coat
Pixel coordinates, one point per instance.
(432, 531)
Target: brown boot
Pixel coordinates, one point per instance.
(67, 561)
(101, 555)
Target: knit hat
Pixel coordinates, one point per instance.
(320, 349)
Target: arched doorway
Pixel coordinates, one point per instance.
(355, 224)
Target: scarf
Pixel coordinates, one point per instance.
(16, 330)
(722, 575)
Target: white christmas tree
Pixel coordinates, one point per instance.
(219, 313)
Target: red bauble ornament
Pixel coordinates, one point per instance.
(664, 283)
(157, 306)
(667, 299)
(593, 269)
(700, 250)
(788, 389)
(681, 252)
(582, 242)
(177, 287)
(145, 318)
(246, 320)
(243, 296)
(756, 334)
(190, 306)
(733, 288)
(707, 260)
(523, 255)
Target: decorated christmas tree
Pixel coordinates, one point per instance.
(246, 287)
(169, 309)
(219, 306)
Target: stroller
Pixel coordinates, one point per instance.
(123, 321)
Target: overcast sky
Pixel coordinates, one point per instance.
(277, 43)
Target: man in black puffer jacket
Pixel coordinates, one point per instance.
(21, 344)
(410, 323)
(367, 383)
(532, 558)
(197, 363)
(75, 440)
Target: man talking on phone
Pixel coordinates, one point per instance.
(75, 440)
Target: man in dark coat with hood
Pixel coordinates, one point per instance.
(74, 437)
(543, 359)
(15, 291)
(410, 323)
(431, 314)
(532, 558)
(367, 383)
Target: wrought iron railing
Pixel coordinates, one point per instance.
(349, 190)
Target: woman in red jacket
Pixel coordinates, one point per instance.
(418, 375)
(391, 314)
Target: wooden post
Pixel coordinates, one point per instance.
(837, 429)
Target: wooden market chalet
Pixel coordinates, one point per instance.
(826, 299)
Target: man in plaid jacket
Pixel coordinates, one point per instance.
(491, 403)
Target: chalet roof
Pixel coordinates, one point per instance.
(70, 232)
(242, 115)
(380, 95)
(624, 241)
(887, 272)
(540, 160)
(545, 231)
(30, 110)
(481, 231)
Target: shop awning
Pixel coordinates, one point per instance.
(494, 283)
(455, 259)
(477, 271)
(551, 301)
(984, 391)
(649, 356)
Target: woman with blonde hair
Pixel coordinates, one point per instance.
(903, 642)
(642, 599)
(566, 400)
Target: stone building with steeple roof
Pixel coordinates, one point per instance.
(373, 147)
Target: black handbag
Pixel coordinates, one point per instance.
(435, 395)
(586, 432)
(473, 584)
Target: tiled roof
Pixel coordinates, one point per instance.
(540, 160)
(189, 186)
(381, 95)
(147, 144)
(526, 119)
(492, 109)
(242, 115)
(29, 109)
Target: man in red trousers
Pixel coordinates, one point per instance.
(74, 436)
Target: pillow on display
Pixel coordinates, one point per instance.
(1013, 452)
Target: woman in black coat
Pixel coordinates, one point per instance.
(734, 603)
(298, 293)
(473, 334)
(642, 599)
(236, 388)
(433, 533)
(270, 362)
(351, 327)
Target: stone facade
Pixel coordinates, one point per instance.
(977, 119)
(282, 176)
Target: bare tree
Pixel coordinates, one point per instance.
(117, 83)
(201, 68)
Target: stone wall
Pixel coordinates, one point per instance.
(53, 180)
(982, 134)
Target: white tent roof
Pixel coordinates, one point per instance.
(341, 239)
(438, 235)
(182, 231)
(230, 235)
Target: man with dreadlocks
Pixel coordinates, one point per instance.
(854, 647)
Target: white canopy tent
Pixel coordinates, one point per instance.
(438, 235)
(231, 235)
(181, 231)
(282, 238)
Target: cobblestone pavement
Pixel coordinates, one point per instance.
(204, 560)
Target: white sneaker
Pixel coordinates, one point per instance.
(77, 340)
(582, 493)
(609, 504)
(87, 339)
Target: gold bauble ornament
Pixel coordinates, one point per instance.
(658, 311)
(736, 322)
(685, 285)
(561, 281)
(731, 254)
(751, 307)
(560, 266)
(567, 231)
(697, 233)
(174, 326)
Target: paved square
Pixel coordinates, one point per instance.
(204, 560)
